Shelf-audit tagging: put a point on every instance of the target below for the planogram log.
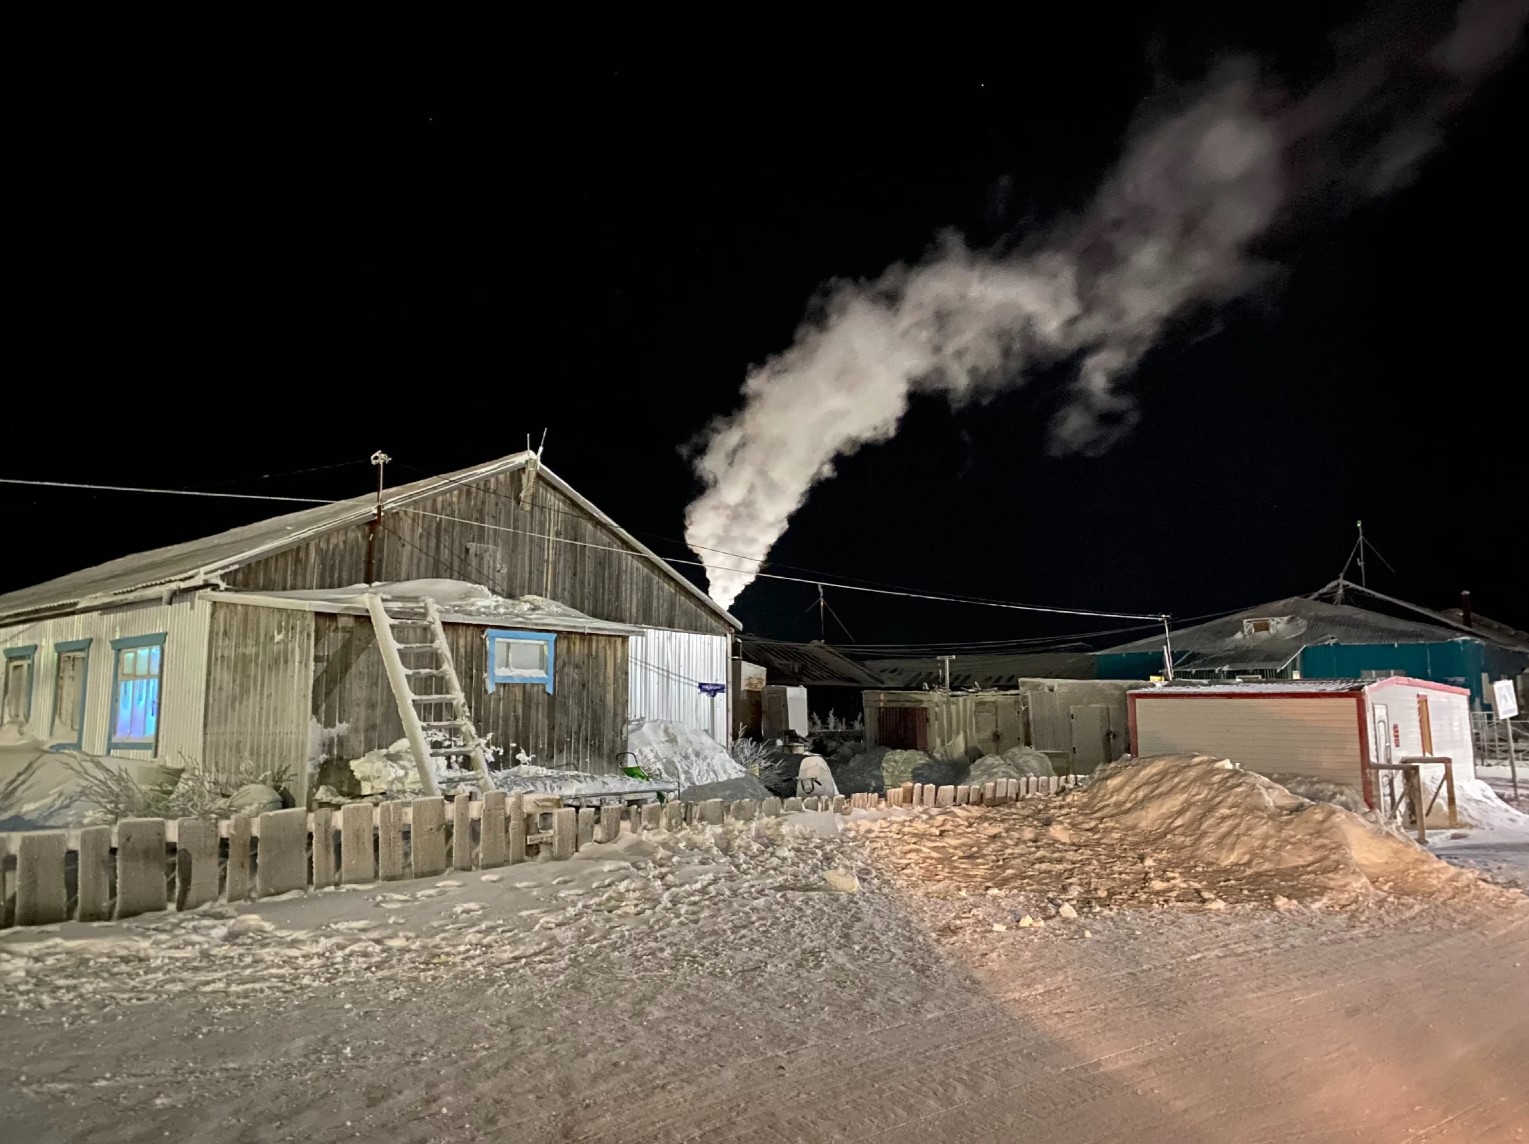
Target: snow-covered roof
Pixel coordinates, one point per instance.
(198, 563)
(459, 602)
(1229, 644)
(1258, 687)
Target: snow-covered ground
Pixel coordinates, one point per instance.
(804, 978)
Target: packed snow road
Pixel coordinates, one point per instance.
(783, 981)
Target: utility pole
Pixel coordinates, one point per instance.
(822, 623)
(374, 532)
(946, 738)
(1363, 580)
(1167, 650)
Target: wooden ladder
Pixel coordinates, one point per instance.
(429, 658)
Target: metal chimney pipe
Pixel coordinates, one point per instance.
(1465, 609)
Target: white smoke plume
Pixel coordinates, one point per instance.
(1170, 228)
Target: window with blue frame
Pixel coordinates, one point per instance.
(135, 691)
(18, 683)
(520, 657)
(70, 676)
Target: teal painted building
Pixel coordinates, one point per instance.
(1306, 638)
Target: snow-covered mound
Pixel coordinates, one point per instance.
(1210, 811)
(1339, 794)
(861, 774)
(1015, 763)
(897, 767)
(1479, 806)
(681, 754)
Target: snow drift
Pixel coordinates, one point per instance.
(1211, 811)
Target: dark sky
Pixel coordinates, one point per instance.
(208, 287)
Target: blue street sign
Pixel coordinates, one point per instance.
(712, 689)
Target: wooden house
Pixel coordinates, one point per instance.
(238, 647)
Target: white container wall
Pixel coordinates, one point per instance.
(1449, 718)
(183, 674)
(664, 672)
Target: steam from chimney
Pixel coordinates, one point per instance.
(1170, 228)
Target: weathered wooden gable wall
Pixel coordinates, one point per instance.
(581, 726)
(259, 678)
(493, 541)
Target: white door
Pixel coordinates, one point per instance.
(18, 688)
(1380, 752)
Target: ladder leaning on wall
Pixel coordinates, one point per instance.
(413, 628)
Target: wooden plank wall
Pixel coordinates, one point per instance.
(600, 583)
(581, 726)
(259, 678)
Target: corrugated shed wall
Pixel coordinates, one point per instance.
(259, 679)
(581, 726)
(1317, 737)
(495, 542)
(664, 671)
(184, 622)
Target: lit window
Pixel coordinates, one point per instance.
(135, 696)
(520, 657)
(69, 680)
(18, 683)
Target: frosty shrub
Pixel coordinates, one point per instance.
(11, 789)
(196, 793)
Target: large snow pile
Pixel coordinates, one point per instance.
(1479, 805)
(1015, 763)
(681, 754)
(897, 767)
(861, 774)
(1212, 812)
(1339, 794)
(531, 779)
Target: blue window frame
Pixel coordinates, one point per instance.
(520, 657)
(17, 684)
(136, 672)
(71, 685)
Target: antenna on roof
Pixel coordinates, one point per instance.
(533, 466)
(1357, 555)
(380, 459)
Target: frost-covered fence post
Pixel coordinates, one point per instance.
(990, 792)
(711, 812)
(565, 833)
(95, 874)
(609, 825)
(358, 861)
(196, 862)
(390, 856)
(462, 830)
(791, 806)
(517, 823)
(141, 881)
(323, 848)
(491, 831)
(840, 804)
(586, 828)
(236, 882)
(427, 837)
(281, 862)
(945, 796)
(770, 807)
(652, 815)
(963, 795)
(41, 895)
(674, 815)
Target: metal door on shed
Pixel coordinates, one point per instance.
(998, 725)
(903, 728)
(1090, 737)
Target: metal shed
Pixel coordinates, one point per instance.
(1331, 730)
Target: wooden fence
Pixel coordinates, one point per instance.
(141, 865)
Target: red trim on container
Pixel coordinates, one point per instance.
(1131, 718)
(1364, 752)
(1425, 684)
(1248, 694)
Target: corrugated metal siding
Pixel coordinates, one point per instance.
(581, 726)
(610, 585)
(1449, 716)
(1317, 737)
(664, 669)
(184, 671)
(259, 679)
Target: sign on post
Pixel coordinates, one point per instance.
(712, 690)
(1505, 699)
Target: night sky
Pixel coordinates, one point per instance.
(205, 290)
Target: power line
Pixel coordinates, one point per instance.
(164, 492)
(906, 594)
